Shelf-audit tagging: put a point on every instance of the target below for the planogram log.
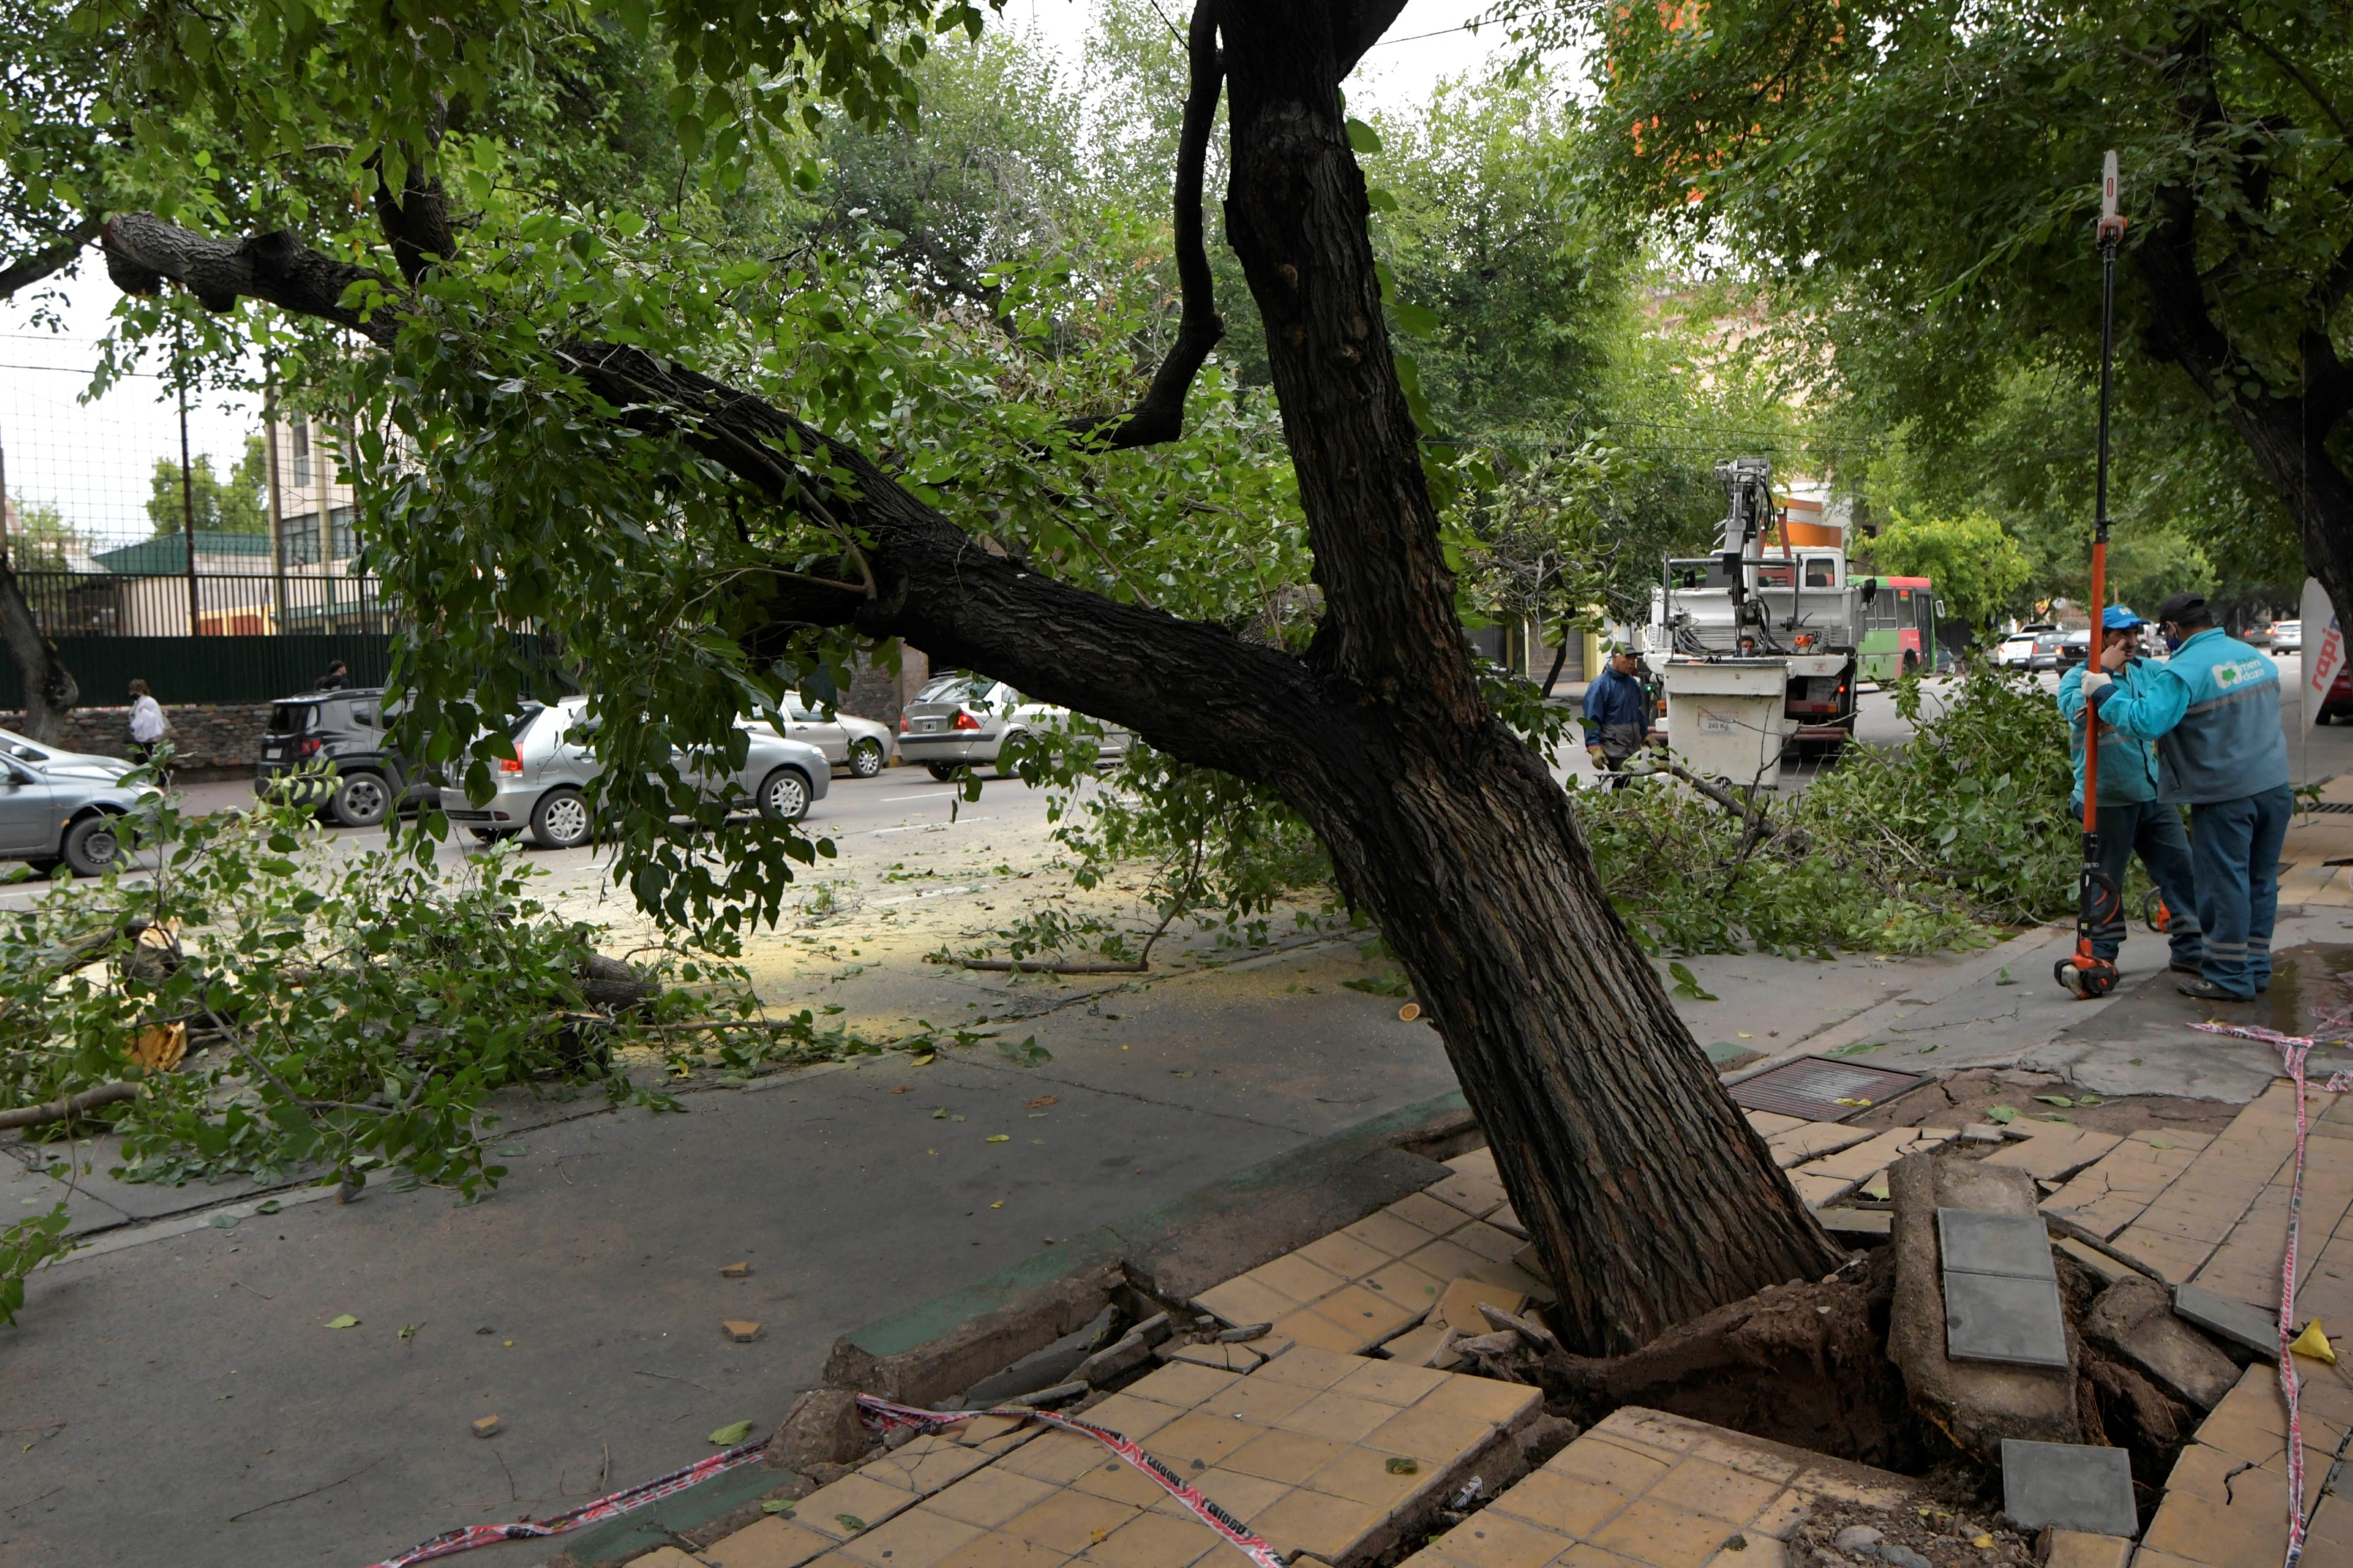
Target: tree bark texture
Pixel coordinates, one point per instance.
(49, 689)
(1651, 1199)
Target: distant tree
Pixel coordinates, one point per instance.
(239, 504)
(1977, 567)
(39, 537)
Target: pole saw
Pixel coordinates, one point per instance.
(2099, 902)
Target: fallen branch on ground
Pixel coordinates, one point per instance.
(1054, 966)
(71, 1106)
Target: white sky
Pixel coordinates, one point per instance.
(93, 461)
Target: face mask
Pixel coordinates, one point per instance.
(2172, 636)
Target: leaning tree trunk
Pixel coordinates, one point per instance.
(1649, 1197)
(49, 689)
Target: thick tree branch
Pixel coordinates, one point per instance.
(1357, 25)
(143, 252)
(50, 259)
(415, 222)
(1161, 415)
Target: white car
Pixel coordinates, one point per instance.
(2288, 636)
(860, 746)
(964, 720)
(2017, 650)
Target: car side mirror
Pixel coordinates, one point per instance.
(1870, 589)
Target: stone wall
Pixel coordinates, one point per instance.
(875, 693)
(216, 739)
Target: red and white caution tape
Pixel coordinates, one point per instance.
(612, 1506)
(881, 1413)
(2292, 1050)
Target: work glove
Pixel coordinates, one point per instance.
(2094, 696)
(2097, 681)
(1600, 758)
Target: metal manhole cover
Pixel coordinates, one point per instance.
(1811, 1086)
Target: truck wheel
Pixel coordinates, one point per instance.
(92, 846)
(560, 820)
(784, 795)
(866, 759)
(360, 800)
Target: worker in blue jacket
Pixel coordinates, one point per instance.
(2133, 820)
(1616, 712)
(2214, 712)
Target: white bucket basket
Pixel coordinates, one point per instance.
(1726, 718)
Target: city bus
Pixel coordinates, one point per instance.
(1899, 627)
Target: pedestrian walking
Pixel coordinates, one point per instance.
(148, 727)
(2213, 711)
(1616, 715)
(336, 678)
(2133, 818)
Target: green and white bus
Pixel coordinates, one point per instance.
(1899, 627)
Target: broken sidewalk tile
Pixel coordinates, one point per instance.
(2249, 1327)
(1458, 1305)
(740, 1330)
(487, 1426)
(1862, 1225)
(2068, 1486)
(1978, 1242)
(1996, 1317)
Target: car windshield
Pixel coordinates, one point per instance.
(14, 745)
(955, 688)
(292, 718)
(520, 725)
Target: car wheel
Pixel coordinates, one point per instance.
(866, 759)
(560, 820)
(492, 835)
(784, 795)
(941, 771)
(93, 845)
(360, 800)
(43, 866)
(1000, 768)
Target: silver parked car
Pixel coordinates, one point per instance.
(964, 720)
(860, 746)
(61, 807)
(543, 788)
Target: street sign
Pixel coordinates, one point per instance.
(2324, 649)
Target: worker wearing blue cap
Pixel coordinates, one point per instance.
(2132, 818)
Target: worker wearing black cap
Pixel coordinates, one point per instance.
(2213, 711)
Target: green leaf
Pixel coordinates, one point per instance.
(345, 1321)
(1687, 984)
(2059, 1100)
(2002, 1114)
(999, 1138)
(1362, 137)
(733, 1433)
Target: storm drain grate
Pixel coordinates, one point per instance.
(1812, 1088)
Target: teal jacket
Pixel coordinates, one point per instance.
(2214, 712)
(2127, 766)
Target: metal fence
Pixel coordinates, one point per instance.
(208, 668)
(233, 604)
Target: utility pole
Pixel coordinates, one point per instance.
(188, 481)
(277, 508)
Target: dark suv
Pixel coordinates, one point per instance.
(345, 727)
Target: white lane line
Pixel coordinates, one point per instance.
(931, 826)
(927, 794)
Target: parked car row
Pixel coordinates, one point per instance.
(968, 720)
(63, 808)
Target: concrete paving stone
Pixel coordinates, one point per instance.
(1198, 1434)
(1318, 1522)
(1491, 1540)
(1060, 1457)
(1768, 1124)
(1568, 1504)
(1508, 1218)
(983, 1429)
(2232, 1321)
(1657, 1532)
(861, 1496)
(1220, 1357)
(1131, 1415)
(2329, 1534)
(1790, 1508)
(1287, 1457)
(1613, 1465)
(1383, 1231)
(1814, 1140)
(2082, 1549)
(1244, 1301)
(1444, 1260)
(2248, 1526)
(2053, 1159)
(1244, 1497)
(1421, 1210)
(992, 1496)
(1992, 1317)
(1458, 1306)
(1431, 1436)
(1181, 1385)
(770, 1542)
(668, 1557)
(1344, 1255)
(916, 1539)
(1978, 1243)
(2117, 1189)
(1373, 1316)
(998, 1550)
(1516, 1278)
(2204, 1471)
(1310, 1367)
(1363, 1475)
(1121, 1482)
(1479, 1162)
(1872, 1155)
(1482, 1399)
(1293, 1277)
(1406, 1285)
(1391, 1382)
(1494, 1245)
(1342, 1417)
(1820, 1192)
(1258, 1401)
(2174, 1258)
(1309, 1327)
(1155, 1540)
(1703, 1487)
(1476, 1196)
(1071, 1521)
(1656, 1432)
(927, 1463)
(1416, 1346)
(2069, 1485)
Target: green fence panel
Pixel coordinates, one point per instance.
(206, 669)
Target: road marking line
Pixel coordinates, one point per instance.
(934, 893)
(927, 794)
(931, 826)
